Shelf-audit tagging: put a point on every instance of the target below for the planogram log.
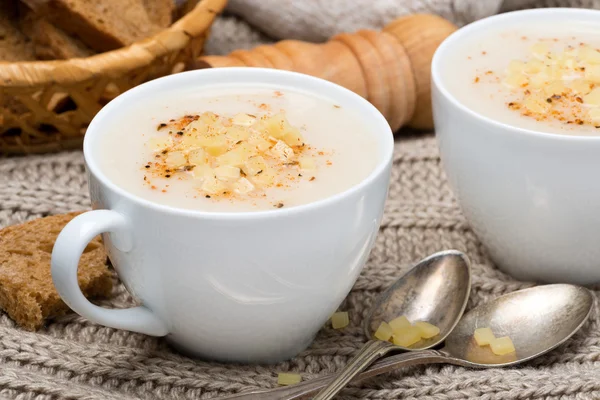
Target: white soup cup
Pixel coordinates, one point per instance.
(245, 287)
(533, 198)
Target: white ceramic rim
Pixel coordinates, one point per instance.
(215, 76)
(495, 20)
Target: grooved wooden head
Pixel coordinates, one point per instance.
(390, 68)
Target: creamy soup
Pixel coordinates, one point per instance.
(234, 149)
(544, 77)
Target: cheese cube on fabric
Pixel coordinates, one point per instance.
(340, 320)
(285, 379)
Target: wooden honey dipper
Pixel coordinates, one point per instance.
(390, 68)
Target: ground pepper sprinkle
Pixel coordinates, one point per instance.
(556, 84)
(233, 156)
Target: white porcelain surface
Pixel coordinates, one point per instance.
(532, 198)
(249, 287)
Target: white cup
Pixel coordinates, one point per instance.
(247, 287)
(533, 198)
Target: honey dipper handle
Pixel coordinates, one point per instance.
(390, 68)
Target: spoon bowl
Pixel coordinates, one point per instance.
(435, 291)
(537, 320)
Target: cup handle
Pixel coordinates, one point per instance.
(66, 253)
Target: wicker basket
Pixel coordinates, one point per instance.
(46, 106)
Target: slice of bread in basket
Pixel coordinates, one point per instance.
(102, 25)
(14, 45)
(160, 11)
(50, 42)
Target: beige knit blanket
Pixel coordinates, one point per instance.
(75, 359)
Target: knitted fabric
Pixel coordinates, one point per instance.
(74, 359)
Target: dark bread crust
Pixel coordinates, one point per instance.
(103, 25)
(27, 293)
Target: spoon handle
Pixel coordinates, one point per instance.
(307, 389)
(370, 352)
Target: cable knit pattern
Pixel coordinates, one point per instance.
(74, 359)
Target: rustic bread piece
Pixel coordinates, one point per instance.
(102, 25)
(14, 46)
(52, 43)
(27, 293)
(160, 12)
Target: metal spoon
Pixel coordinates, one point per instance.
(435, 290)
(537, 320)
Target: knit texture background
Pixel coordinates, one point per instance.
(75, 359)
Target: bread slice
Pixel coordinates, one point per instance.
(102, 25)
(27, 293)
(50, 42)
(14, 46)
(160, 12)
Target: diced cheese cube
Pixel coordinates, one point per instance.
(285, 379)
(502, 346)
(593, 98)
(237, 133)
(594, 115)
(579, 86)
(538, 81)
(214, 144)
(159, 143)
(242, 186)
(592, 73)
(282, 151)
(175, 159)
(537, 105)
(210, 118)
(589, 55)
(540, 49)
(198, 157)
(259, 142)
(254, 166)
(383, 332)
(400, 323)
(293, 137)
(191, 141)
(533, 67)
(196, 128)
(276, 125)
(406, 337)
(515, 80)
(555, 88)
(227, 173)
(427, 330)
(212, 185)
(237, 156)
(340, 320)
(307, 163)
(483, 336)
(516, 66)
(202, 172)
(243, 119)
(264, 178)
